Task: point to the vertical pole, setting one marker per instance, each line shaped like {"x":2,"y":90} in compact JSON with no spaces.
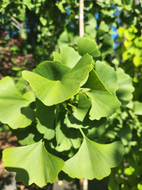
{"x":83,"y":182}
{"x":81,"y":18}
{"x":83,"y":186}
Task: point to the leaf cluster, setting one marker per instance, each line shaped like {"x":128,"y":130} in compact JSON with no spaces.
{"x":58,"y":117}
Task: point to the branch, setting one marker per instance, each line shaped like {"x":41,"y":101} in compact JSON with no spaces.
{"x":18,"y":27}
{"x":14,"y":19}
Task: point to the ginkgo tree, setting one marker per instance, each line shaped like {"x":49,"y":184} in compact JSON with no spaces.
{"x":55,"y":118}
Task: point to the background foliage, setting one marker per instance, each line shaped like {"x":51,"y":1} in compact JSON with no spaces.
{"x":44,"y":26}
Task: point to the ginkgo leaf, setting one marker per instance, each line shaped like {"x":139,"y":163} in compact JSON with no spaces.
{"x":94,"y":82}
{"x":102,"y":95}
{"x":63,"y":142}
{"x":94,"y":160}
{"x":57,"y":56}
{"x":137,"y":108}
{"x":32,"y":164}
{"x":124,"y":92}
{"x":14,"y":108}
{"x":54,"y":82}
{"x":46,"y":118}
{"x":86,"y":45}
{"x":71,"y":122}
{"x":107,"y":45}
{"x":66,"y":138}
{"x":82,"y":108}
{"x":103,"y":104}
{"x":107,"y":75}
{"x":71,"y":58}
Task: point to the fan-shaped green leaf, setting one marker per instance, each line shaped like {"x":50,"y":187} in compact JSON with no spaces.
{"x":107,"y":75}
{"x":124,"y":92}
{"x":38,"y":165}
{"x":138,"y":108}
{"x":63,"y":142}
{"x":55,"y":83}
{"x":57,"y":56}
{"x":94,"y":82}
{"x":71,"y":58}
{"x":94,"y":160}
{"x":14,"y":108}
{"x":63,"y":39}
{"x":103,"y":27}
{"x":107,"y":46}
{"x":137,"y":61}
{"x":89,"y":46}
{"x":46,"y":119}
{"x":103,"y":103}
{"x":82,"y":108}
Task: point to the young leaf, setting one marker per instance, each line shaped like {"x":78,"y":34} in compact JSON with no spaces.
{"x":103,"y":104}
{"x":46,"y":119}
{"x":63,"y":142}
{"x":89,"y":46}
{"x":57,"y":56}
{"x":94,"y":160}
{"x":107,"y":46}
{"x":124,"y":92}
{"x":71,"y":58}
{"x":138,"y":108}
{"x":82,"y":108}
{"x":38,"y":165}
{"x":102,"y":95}
{"x":55,"y":83}
{"x":94,"y":82}
{"x":14,"y":108}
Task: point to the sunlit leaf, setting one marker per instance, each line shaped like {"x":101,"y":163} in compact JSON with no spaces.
{"x":43,"y":21}
{"x":137,"y":61}
{"x":82,"y":108}
{"x":94,"y":160}
{"x":94,"y":82}
{"x":138,"y":108}
{"x":71,"y":58}
{"x":32,"y":164}
{"x":103,"y":27}
{"x":124,"y":92}
{"x":54,"y":82}
{"x":103,"y":102}
{"x":63,"y":39}
{"x":14,"y":108}
{"x":57,"y":56}
{"x":89,"y":46}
